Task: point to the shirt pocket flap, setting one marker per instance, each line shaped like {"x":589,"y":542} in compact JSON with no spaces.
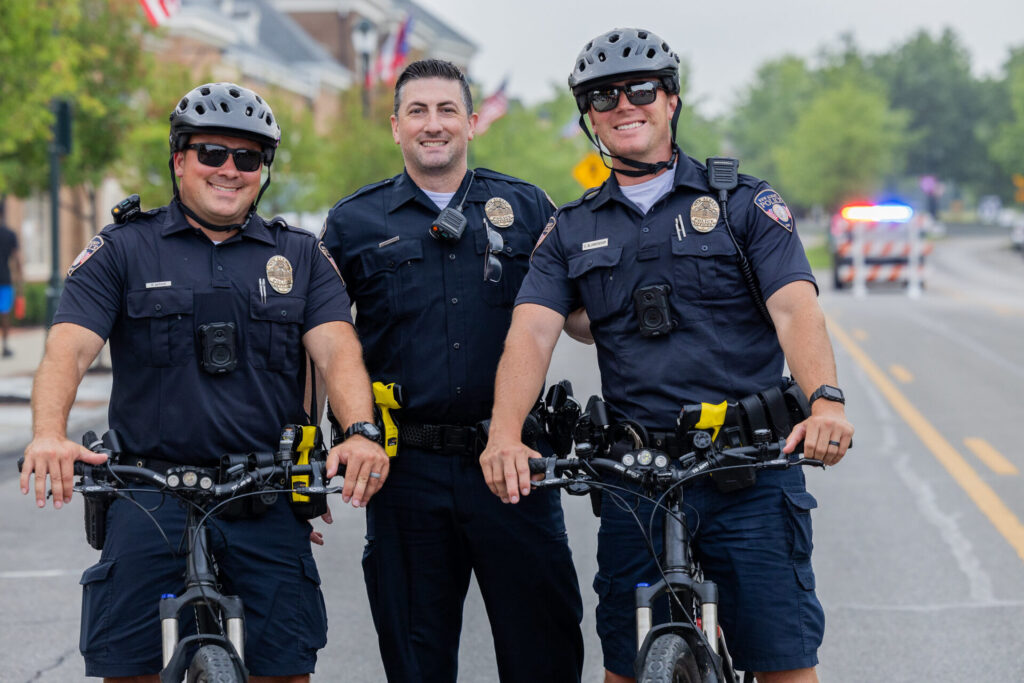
{"x":158,"y":303}
{"x":708,"y":245}
{"x":516,"y":243}
{"x":280,"y":309}
{"x":604,"y":257}
{"x":391,"y":256}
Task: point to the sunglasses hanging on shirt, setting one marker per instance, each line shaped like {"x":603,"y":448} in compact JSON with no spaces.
{"x":450,"y":223}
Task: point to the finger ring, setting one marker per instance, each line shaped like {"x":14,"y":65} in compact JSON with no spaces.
{"x":830,"y":443}
{"x":376,"y":475}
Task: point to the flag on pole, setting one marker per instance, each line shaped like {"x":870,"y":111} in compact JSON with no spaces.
{"x":159,"y":11}
{"x":393,"y":52}
{"x":571,"y":128}
{"x":492,"y":109}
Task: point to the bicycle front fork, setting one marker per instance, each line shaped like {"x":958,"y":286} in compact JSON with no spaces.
{"x":680,"y":585}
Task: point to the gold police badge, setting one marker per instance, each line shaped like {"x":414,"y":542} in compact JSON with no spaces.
{"x":704,"y":214}
{"x":279,"y":274}
{"x":499,"y":212}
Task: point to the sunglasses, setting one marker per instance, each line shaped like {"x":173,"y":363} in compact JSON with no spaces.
{"x":638,"y":94}
{"x":246,"y":160}
{"x":495,"y":245}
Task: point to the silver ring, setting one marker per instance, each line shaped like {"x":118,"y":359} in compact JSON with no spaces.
{"x":376,"y":475}
{"x":830,"y":443}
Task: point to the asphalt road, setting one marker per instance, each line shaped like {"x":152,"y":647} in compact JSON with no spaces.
{"x":919,"y":544}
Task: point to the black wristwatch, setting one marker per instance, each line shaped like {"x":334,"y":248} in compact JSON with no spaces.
{"x":365,"y":429}
{"x":829,"y":393}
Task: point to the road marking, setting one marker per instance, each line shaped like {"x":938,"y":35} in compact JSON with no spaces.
{"x":860,"y":335}
{"x":901,"y":373}
{"x":995,"y":460}
{"x":1001,"y":517}
{"x":40,"y":573}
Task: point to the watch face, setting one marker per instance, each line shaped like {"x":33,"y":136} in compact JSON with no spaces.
{"x":833,"y":394}
{"x":366,"y":429}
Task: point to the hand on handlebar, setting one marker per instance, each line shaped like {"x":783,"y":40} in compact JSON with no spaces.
{"x":826,"y":434}
{"x":506,"y":469}
{"x":363,"y":460}
{"x":54,"y":457}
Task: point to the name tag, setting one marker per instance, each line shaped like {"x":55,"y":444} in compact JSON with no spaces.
{"x":156,"y":285}
{"x":596,"y":244}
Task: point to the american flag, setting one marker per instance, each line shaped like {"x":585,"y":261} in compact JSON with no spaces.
{"x":393,"y":53}
{"x":492,"y":109}
{"x":159,"y":11}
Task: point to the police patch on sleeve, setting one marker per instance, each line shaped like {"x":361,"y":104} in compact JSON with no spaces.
{"x":769,"y":201}
{"x":94,"y":245}
{"x":330,"y":259}
{"x":540,"y":240}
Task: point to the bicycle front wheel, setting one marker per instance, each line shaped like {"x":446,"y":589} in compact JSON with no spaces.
{"x":212,"y":664}
{"x":669,"y":660}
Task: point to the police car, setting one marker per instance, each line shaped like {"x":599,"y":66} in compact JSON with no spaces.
{"x":888,"y":232}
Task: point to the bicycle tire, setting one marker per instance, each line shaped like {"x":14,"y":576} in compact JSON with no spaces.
{"x":212,"y":664}
{"x":670,"y":660}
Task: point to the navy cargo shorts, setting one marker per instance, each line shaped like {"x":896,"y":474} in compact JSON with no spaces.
{"x":755,"y":544}
{"x":266,"y":561}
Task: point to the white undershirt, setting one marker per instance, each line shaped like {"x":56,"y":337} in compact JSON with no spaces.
{"x":645,"y":194}
{"x":440,"y":198}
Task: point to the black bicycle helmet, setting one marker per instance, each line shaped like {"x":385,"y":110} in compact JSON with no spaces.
{"x":619,"y":53}
{"x":225,"y":109}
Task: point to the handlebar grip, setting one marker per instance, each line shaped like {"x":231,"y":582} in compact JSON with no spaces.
{"x":538,"y":465}
{"x":21,"y":462}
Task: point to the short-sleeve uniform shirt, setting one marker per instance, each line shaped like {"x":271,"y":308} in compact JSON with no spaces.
{"x":602,"y":248}
{"x":151,"y":286}
{"x":427,"y":318}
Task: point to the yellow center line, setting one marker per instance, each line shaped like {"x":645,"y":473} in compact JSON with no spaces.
{"x":995,"y":460}
{"x":901,"y":373}
{"x":1005,"y":522}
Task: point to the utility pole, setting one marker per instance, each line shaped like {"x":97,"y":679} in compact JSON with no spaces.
{"x":60,"y":146}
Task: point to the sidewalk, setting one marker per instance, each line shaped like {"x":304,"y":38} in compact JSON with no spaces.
{"x":16,"y":373}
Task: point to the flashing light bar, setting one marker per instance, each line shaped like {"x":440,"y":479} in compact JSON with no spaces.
{"x":878,"y":213}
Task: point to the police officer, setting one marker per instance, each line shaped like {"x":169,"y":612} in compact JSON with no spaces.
{"x":433,"y":258}
{"x":155,"y":287}
{"x":658,"y":228}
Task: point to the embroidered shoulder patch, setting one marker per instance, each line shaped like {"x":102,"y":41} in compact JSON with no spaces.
{"x":540,"y":240}
{"x":769,"y":201}
{"x":94,"y":245}
{"x":330,"y":259}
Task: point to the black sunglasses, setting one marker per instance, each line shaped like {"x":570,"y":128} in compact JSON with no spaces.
{"x":638,"y":94}
{"x":495,"y":245}
{"x":246,"y":160}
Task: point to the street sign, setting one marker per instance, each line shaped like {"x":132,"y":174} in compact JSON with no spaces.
{"x":591,"y":171}
{"x":1018,"y":182}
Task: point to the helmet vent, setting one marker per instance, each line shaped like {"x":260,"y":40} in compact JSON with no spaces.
{"x":224,"y":107}
{"x":248,"y":111}
{"x":270,"y":120}
{"x":642,"y":35}
{"x":614,"y":38}
{"x":200,"y":109}
{"x":625,"y":53}
{"x":204,"y":90}
{"x":589,"y":45}
{"x":234,"y":93}
{"x":664,"y":47}
{"x":601,"y":57}
{"x":651,"y":53}
{"x":583,"y":65}
{"x":258,"y":98}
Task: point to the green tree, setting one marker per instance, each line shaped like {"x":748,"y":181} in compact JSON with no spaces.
{"x":844,"y":144}
{"x":767,"y":112}
{"x":1007,"y":145}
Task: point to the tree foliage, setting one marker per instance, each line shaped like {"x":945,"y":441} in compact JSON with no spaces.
{"x":1007,"y":145}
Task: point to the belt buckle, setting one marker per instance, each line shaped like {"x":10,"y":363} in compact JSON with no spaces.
{"x":453,"y":437}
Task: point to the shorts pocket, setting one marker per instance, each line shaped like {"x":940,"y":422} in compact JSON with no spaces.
{"x":95,"y":581}
{"x":316,"y":610}
{"x":800,"y":503}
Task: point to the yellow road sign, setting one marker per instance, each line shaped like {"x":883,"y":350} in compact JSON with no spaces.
{"x":591,"y":171}
{"x":1018,"y":182}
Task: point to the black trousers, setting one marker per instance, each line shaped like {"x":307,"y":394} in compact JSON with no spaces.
{"x":433,"y":523}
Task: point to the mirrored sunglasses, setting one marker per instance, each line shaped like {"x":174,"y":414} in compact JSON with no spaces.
{"x":638,"y":94}
{"x":246,"y":160}
{"x":495,"y":245}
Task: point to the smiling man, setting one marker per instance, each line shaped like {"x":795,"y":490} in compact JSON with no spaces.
{"x":652,"y":255}
{"x":210,"y":311}
{"x":433,"y":258}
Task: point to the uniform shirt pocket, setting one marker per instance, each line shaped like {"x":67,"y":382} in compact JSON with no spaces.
{"x":598,"y":277}
{"x":515,"y":262}
{"x":275,"y":332}
{"x":394,"y":279}
{"x":160,"y":326}
{"x":705,"y":268}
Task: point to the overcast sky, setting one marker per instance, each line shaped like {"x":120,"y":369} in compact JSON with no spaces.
{"x":534,"y":42}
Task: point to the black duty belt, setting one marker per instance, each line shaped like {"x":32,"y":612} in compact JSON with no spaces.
{"x":154,"y":464}
{"x":445,"y":439}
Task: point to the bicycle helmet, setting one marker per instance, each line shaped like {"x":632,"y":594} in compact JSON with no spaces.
{"x":619,"y":53}
{"x":225,"y":109}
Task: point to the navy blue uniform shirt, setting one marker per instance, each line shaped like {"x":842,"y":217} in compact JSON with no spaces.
{"x":425,"y":315}
{"x":149,"y":285}
{"x":602,"y":248}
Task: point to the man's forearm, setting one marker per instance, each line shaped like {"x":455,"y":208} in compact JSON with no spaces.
{"x":519,"y":381}
{"x":348,"y":384}
{"x":57,"y":378}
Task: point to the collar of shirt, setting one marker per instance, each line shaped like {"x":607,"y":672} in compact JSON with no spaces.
{"x":405,"y":190}
{"x":175,"y":221}
{"x":688,"y":173}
